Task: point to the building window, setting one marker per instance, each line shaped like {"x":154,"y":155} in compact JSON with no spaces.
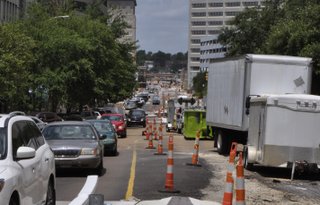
{"x":250,"y":3}
{"x":198,"y":23}
{"x":215,"y":23}
{"x":195,"y":41}
{"x":195,"y":59}
{"x":198,"y":14}
{"x":232,"y":4}
{"x":232,"y":13}
{"x":198,"y":32}
{"x":215,"y":4}
{"x":195,"y":68}
{"x":195,"y":50}
{"x":217,"y":13}
{"x":211,"y":32}
{"x":199,"y":5}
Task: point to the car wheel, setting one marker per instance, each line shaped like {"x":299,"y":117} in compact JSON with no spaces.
{"x":115,"y":150}
{"x":14,"y":200}
{"x":124,"y":135}
{"x":51,"y":194}
{"x":100,"y":167}
{"x":144,"y":125}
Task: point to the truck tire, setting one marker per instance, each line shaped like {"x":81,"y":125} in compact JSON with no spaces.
{"x":222,"y":142}
{"x":247,"y":165}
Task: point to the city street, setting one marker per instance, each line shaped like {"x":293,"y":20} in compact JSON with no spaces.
{"x":263,"y":186}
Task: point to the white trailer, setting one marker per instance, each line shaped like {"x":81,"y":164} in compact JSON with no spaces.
{"x":232,"y":81}
{"x":284,"y":130}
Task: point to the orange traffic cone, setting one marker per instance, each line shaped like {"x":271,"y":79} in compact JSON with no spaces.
{"x":228,"y":192}
{"x":146,"y":130}
{"x":240,"y":189}
{"x":160,"y":147}
{"x":150,"y":143}
{"x":169,"y":187}
{"x":195,"y":156}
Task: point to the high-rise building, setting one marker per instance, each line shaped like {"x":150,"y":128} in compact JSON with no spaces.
{"x":10,"y":10}
{"x":208,"y":17}
{"x":127,"y":8}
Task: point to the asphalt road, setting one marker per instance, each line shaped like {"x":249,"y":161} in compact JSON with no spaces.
{"x":137,"y":172}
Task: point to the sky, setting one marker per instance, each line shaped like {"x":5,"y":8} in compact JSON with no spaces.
{"x":162,"y":25}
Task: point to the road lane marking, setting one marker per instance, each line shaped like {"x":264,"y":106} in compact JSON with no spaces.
{"x":132,"y":175}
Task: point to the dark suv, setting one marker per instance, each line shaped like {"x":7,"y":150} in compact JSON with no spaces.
{"x":136,"y":117}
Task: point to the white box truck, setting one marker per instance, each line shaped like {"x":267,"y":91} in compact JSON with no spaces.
{"x":284,"y":130}
{"x":232,"y":81}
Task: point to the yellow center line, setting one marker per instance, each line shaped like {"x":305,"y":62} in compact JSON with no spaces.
{"x":132,"y":176}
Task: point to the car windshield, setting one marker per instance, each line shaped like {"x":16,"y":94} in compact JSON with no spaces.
{"x":138,"y":113}
{"x":2,"y":143}
{"x":102,"y":127}
{"x":61,"y":132}
{"x":112,"y":117}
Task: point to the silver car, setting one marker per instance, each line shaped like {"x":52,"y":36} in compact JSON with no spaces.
{"x":75,"y":144}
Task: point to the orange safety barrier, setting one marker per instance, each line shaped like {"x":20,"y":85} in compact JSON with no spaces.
{"x":146,"y":130}
{"x":150,"y":142}
{"x":240,"y":189}
{"x":228,"y":192}
{"x":160,"y":147}
{"x":195,"y":155}
{"x":169,"y":187}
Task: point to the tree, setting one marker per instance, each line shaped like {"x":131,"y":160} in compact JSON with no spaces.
{"x":250,"y":29}
{"x":16,"y":59}
{"x":78,"y":60}
{"x":200,"y":84}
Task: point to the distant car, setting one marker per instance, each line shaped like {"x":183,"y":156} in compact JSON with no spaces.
{"x":75,"y":144}
{"x":144,"y":96}
{"x":131,"y":105}
{"x":48,"y":117}
{"x":136,"y":117}
{"x":118,"y":122}
{"x":27,"y":167}
{"x":156,"y":100}
{"x":106,"y":130}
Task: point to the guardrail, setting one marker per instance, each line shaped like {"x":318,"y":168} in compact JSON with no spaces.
{"x":88,"y":188}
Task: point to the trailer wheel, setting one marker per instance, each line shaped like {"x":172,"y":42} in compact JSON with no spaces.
{"x":222,"y":143}
{"x":247,"y":165}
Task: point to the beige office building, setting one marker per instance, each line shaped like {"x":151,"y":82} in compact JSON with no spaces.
{"x":206,"y":18}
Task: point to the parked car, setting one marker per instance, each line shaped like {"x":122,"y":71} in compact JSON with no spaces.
{"x":107,"y":131}
{"x":75,"y":144}
{"x":27,"y":167}
{"x":118,"y":122}
{"x":48,"y":117}
{"x":136,"y":117}
{"x":156,"y":100}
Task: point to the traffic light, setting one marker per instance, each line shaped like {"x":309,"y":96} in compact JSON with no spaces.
{"x":207,"y":76}
{"x":180,"y":100}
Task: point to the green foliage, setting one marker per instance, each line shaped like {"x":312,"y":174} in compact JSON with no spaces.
{"x":68,"y":60}
{"x":15,"y":66}
{"x":163,"y":62}
{"x":200,"y":85}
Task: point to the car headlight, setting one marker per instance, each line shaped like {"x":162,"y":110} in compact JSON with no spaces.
{"x":90,"y":151}
{"x":142,"y":120}
{"x":114,"y":126}
{"x":129,"y":119}
{"x":120,"y":127}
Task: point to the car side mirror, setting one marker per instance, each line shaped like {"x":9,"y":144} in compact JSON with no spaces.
{"x":102,"y":136}
{"x":26,"y":152}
